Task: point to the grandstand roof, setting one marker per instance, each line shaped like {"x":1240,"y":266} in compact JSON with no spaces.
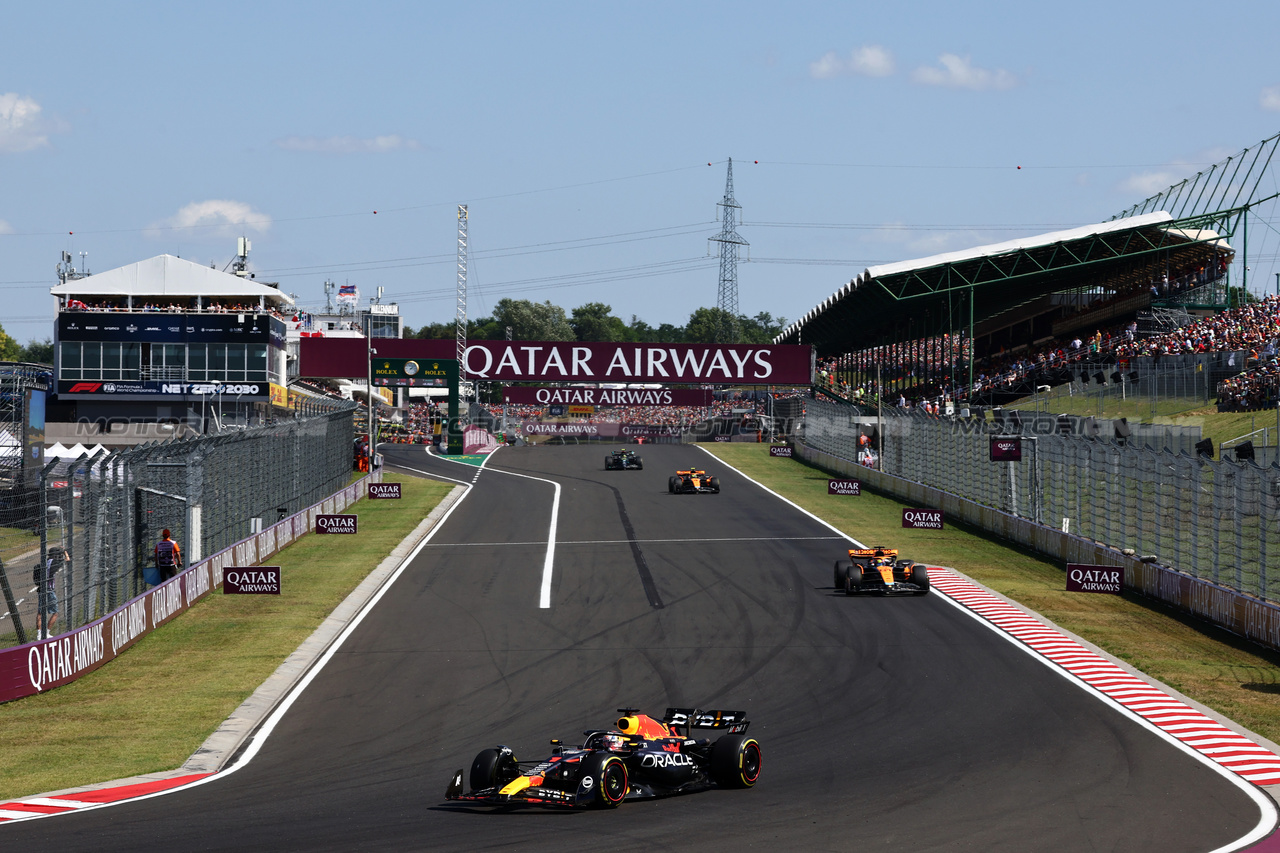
{"x":936,"y":294}
{"x":169,"y":276}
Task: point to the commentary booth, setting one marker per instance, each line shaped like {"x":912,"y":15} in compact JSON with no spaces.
{"x":538,"y":375}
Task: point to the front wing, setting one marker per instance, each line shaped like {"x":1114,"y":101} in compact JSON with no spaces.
{"x":532,"y":796}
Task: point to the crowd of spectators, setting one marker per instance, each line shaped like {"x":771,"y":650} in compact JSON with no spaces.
{"x":72,"y":304}
{"x":1251,"y":329}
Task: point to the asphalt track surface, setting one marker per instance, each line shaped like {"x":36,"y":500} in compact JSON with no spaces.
{"x":887,"y":724}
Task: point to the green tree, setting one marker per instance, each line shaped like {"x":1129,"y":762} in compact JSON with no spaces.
{"x":595,"y":322}
{"x":10,"y":350}
{"x":38,"y":352}
{"x":704,"y":326}
{"x":760,"y":329}
{"x":532,"y":321}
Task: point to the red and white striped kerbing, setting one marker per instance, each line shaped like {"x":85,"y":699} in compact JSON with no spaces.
{"x":1208,"y":737}
{"x":38,"y":806}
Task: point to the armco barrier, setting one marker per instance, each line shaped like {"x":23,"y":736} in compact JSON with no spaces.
{"x":1241,"y":614}
{"x":44,"y":665}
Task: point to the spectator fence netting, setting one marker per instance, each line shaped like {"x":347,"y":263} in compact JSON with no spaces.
{"x":108,"y":511}
{"x":1212,"y":519}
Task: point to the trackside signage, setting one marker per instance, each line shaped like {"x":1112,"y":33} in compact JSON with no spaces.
{"x":336,"y":524}
{"x":257,"y":580}
{"x":1005,"y":449}
{"x":556,"y":361}
{"x":844,"y":487}
{"x":1085,"y":578}
{"x":524,"y":395}
{"x":922,"y":519}
{"x":384,"y":491}
{"x":780,"y":450}
{"x":45,"y":664}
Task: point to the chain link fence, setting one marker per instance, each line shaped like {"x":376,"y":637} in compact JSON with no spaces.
{"x":108,"y":511}
{"x":1214,"y":520}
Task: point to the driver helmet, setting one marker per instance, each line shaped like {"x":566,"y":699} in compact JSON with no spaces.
{"x":613,"y":740}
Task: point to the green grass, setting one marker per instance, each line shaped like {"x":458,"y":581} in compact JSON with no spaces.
{"x":1237,"y":678}
{"x":152,"y":707}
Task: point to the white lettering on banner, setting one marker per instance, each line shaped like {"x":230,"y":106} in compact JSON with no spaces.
{"x":689,"y":365}
{"x":549,"y":361}
{"x":65,"y":656}
{"x":656,"y":359}
{"x":165,"y":601}
{"x":765,"y":366}
{"x":128,"y":625}
{"x":470,"y":368}
{"x":554,"y":358}
{"x":619,"y":362}
{"x":197,"y":582}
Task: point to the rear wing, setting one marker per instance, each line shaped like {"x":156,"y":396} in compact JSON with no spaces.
{"x":873,"y":552}
{"x":686,"y":719}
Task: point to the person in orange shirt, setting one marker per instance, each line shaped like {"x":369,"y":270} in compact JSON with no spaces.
{"x":168,"y":556}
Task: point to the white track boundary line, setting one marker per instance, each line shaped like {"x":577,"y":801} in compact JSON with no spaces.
{"x":255,"y":741}
{"x":1266,"y":806}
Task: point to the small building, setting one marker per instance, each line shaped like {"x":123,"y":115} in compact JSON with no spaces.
{"x":171,"y":342}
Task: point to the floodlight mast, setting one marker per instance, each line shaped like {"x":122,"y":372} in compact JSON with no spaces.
{"x":462,"y":291}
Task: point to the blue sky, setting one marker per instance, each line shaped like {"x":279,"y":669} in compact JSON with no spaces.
{"x":579,"y":136}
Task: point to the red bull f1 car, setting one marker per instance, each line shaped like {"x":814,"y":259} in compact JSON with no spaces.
{"x":693,"y":482}
{"x":623,"y":460}
{"x":640,"y":758}
{"x":880,"y":570}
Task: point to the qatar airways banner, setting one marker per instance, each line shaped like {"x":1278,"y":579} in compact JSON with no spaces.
{"x":559,"y":361}
{"x":528,"y":396}
{"x":513,"y":361}
{"x":583,"y":430}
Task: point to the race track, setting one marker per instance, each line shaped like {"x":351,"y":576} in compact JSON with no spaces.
{"x":895,"y":724}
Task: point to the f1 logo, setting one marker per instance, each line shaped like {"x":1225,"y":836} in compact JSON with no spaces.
{"x":84,"y":388}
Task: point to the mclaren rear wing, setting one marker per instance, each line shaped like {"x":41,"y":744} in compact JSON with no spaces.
{"x":687,"y":719}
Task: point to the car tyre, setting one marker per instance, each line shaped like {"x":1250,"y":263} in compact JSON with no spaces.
{"x":735,"y":761}
{"x":672,"y":483}
{"x":493,"y":768}
{"x":841,"y":572}
{"x":609,"y":779}
{"x":853,"y":579}
{"x":920,"y":577}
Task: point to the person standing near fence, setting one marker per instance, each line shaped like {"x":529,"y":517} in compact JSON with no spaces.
{"x":168,"y":556}
{"x":46,"y":596}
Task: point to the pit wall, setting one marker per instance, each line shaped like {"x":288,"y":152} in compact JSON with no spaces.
{"x":43,"y":665}
{"x":1238,"y":613}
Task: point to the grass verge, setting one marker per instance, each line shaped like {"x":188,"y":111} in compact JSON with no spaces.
{"x":150,"y":709}
{"x":1235,"y":677}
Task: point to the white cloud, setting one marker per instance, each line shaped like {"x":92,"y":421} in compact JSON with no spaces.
{"x":5,"y":227}
{"x":21,"y":127}
{"x":957,"y":72}
{"x":870,"y":60}
{"x":348,"y":144}
{"x":1150,"y":183}
{"x":1270,"y":99}
{"x":218,"y":217}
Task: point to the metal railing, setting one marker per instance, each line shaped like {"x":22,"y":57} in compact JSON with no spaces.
{"x":108,"y":511}
{"x":1214,"y":520}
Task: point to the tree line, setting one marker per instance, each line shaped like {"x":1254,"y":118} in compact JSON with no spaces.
{"x":35,"y":352}
{"x":522,"y":320}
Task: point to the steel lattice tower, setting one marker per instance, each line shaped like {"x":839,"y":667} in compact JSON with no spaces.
{"x":462,"y":289}
{"x":727,"y":298}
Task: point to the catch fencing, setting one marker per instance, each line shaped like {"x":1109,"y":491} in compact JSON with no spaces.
{"x":108,"y":511}
{"x":1213,"y":520}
